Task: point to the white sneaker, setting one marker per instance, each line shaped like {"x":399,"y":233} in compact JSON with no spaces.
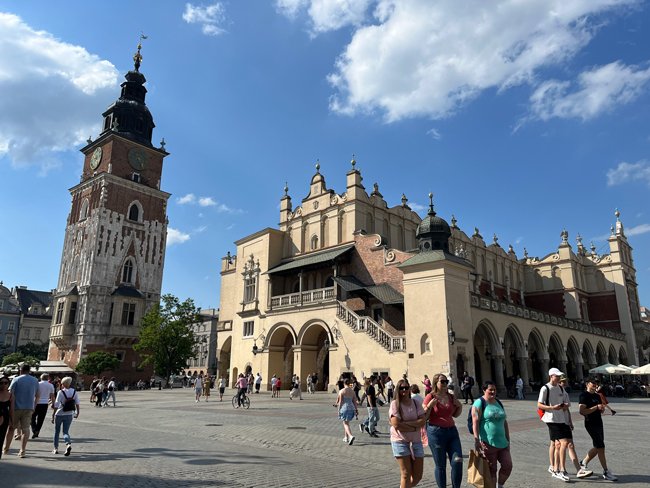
{"x":584,"y":473}
{"x":345,"y":439}
{"x":550,"y":469}
{"x":351,"y":441}
{"x":561,"y":476}
{"x":609,"y":476}
{"x":55,"y":451}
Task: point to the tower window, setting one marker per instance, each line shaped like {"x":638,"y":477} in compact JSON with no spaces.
{"x":83,"y":213}
{"x":59,"y":312}
{"x":72,"y":315}
{"x":127,"y":272}
{"x":128,"y":314}
{"x":249,"y":328}
{"x":134,"y":212}
{"x":249,"y":288}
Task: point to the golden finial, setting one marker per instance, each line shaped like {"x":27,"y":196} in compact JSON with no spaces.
{"x":137,"y":57}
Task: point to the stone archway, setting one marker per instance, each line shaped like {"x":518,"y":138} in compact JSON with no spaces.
{"x":588,"y":356}
{"x":622,"y":356}
{"x":488,"y":359}
{"x":538,"y":358}
{"x":556,"y":356}
{"x":313,"y":355}
{"x":574,"y":361}
{"x":612,"y":356}
{"x":514,"y":357}
{"x":601,"y":355}
{"x":280,"y":343}
{"x":224,"y":359}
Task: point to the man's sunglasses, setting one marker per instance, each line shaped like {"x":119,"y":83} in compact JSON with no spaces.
{"x":404,"y":388}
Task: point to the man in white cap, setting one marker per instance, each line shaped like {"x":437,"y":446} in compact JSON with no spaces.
{"x":551,"y":402}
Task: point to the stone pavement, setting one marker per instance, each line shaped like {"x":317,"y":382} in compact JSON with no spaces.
{"x":163,"y":439}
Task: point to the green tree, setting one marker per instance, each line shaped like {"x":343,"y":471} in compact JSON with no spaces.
{"x":18,"y":357}
{"x":36,"y":350}
{"x":167,"y":340}
{"x":97,"y":362}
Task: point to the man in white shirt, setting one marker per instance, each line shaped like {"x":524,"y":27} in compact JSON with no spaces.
{"x":551,"y":402}
{"x":45,"y":398}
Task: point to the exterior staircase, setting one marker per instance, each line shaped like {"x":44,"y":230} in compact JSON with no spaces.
{"x":392,"y":341}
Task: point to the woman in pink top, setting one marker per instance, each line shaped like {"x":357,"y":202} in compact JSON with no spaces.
{"x":442,"y":432}
{"x":406,"y":420}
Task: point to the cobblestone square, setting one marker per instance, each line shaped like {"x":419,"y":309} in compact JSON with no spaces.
{"x":164,"y":439}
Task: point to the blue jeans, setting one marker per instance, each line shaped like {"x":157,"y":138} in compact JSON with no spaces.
{"x":66,"y":421}
{"x":372,"y":420}
{"x":445,"y":443}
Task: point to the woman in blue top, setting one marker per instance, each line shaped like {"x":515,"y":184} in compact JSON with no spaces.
{"x":491,"y":434}
{"x":348,"y":409}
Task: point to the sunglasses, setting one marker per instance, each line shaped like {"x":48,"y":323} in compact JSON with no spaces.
{"x":443,"y":382}
{"x":404,"y":388}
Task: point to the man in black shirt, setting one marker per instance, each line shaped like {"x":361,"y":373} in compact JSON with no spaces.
{"x":592,"y":407}
{"x":373,"y":412}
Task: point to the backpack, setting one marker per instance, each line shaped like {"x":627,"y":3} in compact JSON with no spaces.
{"x":470,"y":422}
{"x":69,"y":404}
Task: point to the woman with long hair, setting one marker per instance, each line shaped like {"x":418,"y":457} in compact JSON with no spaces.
{"x":491,"y":434}
{"x":406,"y":420}
{"x":442,"y":433}
{"x":66,"y":408}
{"x":6,"y":408}
{"x":347,"y":408}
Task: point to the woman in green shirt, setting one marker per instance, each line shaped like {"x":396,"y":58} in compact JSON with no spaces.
{"x":491,"y":434}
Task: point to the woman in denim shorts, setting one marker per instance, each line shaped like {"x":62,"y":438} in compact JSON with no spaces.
{"x":406,"y":421}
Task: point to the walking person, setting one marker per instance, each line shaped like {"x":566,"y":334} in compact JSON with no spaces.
{"x":348,"y":409}
{"x":93,"y":390}
{"x":491,"y":433}
{"x":222,"y":387}
{"x":6,"y":408}
{"x":258,"y":383}
{"x":442,"y":433}
{"x":407,"y":416}
{"x":592,"y":408}
{"x":99,"y":393}
{"x":67,"y":408}
{"x":207,"y":383}
{"x":24,"y":389}
{"x":278,"y":387}
{"x":370,"y":424}
{"x":110,"y":392}
{"x":519,"y":386}
{"x":309,"y":384}
{"x":427,"y":385}
{"x":551,"y":402}
{"x":242,"y":388}
{"x":390,"y":389}
{"x":45,"y":399}
{"x":274,"y":383}
{"x":198,"y":388}
{"x":467,"y":383}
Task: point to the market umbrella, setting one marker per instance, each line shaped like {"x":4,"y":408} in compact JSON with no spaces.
{"x":628,"y":369}
{"x":642,"y":370}
{"x":608,"y":369}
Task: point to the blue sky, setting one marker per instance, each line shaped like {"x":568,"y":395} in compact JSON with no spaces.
{"x":523,"y":118}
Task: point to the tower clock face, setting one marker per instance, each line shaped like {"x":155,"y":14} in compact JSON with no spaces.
{"x":137,"y":158}
{"x":96,"y":158}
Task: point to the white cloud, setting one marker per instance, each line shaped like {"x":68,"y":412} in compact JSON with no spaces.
{"x":638,"y":230}
{"x":626,"y":172}
{"x":175,"y":236}
{"x":410,"y":58}
{"x":210,"y":17}
{"x":189,"y":198}
{"x":416,"y":207}
{"x":435,"y":134}
{"x":327,"y":15}
{"x":57,"y":94}
{"x":207,"y":202}
{"x":598,"y":91}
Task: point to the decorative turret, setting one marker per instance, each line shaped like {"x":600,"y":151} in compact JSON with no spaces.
{"x":129,"y":115}
{"x":433,"y":232}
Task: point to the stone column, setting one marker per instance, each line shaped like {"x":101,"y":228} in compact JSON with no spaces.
{"x":562,"y":365}
{"x":544,"y":366}
{"x":300,"y":286}
{"x":579,"y":375}
{"x":523,"y":371}
{"x":269,"y":299}
{"x":498,"y":371}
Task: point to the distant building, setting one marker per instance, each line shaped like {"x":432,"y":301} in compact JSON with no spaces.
{"x":115,"y":237}
{"x":206,"y":348}
{"x":350,"y":285}
{"x":35,"y":315}
{"x":9,"y":321}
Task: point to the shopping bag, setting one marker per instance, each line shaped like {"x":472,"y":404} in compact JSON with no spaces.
{"x":478,"y":471}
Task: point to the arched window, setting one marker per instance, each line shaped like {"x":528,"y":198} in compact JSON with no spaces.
{"x":127,"y":271}
{"x":83,"y":212}
{"x":135,"y":212}
{"x":314,"y":242}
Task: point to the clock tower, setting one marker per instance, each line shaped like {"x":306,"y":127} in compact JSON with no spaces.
{"x":114,"y":249}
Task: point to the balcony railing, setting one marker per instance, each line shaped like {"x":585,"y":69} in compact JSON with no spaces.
{"x":310,"y":297}
{"x":362,"y":323}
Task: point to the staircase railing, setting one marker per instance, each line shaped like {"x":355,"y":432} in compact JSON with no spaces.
{"x":362,"y":323}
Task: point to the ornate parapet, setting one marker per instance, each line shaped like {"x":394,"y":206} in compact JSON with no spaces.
{"x":485,"y":303}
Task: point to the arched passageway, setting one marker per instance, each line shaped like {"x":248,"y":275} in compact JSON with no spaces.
{"x":314,"y":342}
{"x":537,"y":355}
{"x":601,"y":355}
{"x":488,"y":362}
{"x":223,"y":355}
{"x":280,"y":344}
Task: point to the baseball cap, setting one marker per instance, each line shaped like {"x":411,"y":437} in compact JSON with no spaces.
{"x":563,"y":377}
{"x":555,"y":372}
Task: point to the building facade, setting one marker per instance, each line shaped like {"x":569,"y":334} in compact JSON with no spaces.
{"x":35,"y":315}
{"x":205,"y":333}
{"x":9,"y":321}
{"x":114,"y":249}
{"x":348,"y":285}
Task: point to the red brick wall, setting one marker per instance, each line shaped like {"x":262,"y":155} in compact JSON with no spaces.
{"x":552,"y":302}
{"x":603,"y":311}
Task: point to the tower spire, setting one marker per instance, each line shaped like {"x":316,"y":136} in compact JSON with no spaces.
{"x":137,"y":57}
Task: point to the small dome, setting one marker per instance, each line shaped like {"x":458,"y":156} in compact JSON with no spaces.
{"x":433,"y":232}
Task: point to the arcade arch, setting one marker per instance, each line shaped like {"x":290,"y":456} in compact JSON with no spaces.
{"x":601,"y":355}
{"x":279,"y":344}
{"x":538,"y":356}
{"x":612,"y":356}
{"x":486,"y":353}
{"x":314,"y":340}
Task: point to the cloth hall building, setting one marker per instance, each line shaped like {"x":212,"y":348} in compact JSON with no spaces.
{"x":349,"y":285}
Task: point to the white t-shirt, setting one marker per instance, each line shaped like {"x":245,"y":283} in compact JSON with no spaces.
{"x":45,"y":389}
{"x":274,"y":380}
{"x":554,"y":395}
{"x":258,"y":380}
{"x":61,"y":399}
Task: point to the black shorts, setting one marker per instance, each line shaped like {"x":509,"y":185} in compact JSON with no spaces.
{"x":221,"y":390}
{"x":559,"y":431}
{"x":597,"y":435}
